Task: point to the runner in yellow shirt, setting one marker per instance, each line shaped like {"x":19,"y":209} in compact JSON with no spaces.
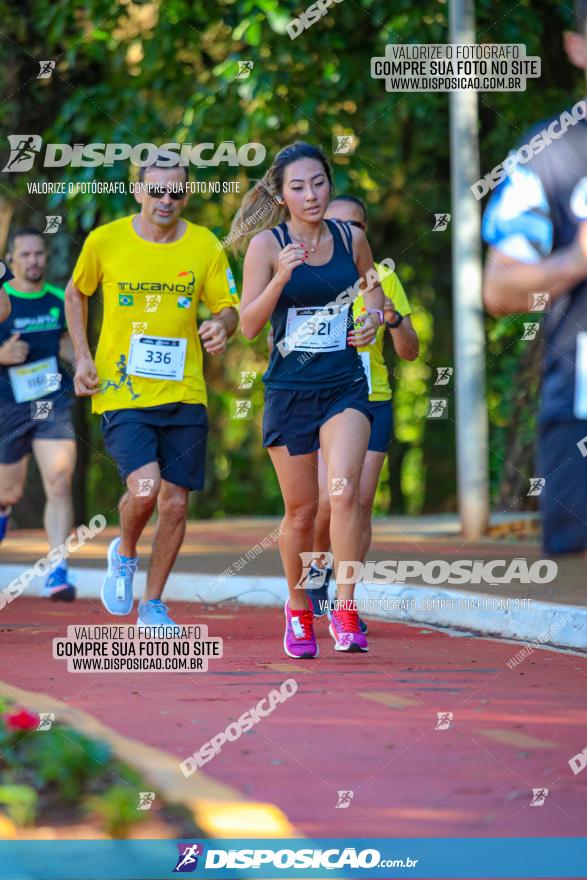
{"x":147,"y":381}
{"x":405,"y":342}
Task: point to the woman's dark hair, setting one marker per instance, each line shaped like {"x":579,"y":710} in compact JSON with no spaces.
{"x":260,"y":208}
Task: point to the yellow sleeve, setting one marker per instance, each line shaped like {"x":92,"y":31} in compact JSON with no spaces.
{"x":219,"y":289}
{"x":393,"y":290}
{"x":87,"y":273}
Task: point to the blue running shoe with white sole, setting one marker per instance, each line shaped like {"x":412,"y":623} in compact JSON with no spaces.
{"x":58,"y":586}
{"x":116,"y":592}
{"x":4,"y":517}
{"x":153,"y":612}
{"x":317,"y":581}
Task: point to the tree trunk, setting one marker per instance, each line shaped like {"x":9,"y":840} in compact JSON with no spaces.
{"x":518,"y":465}
{"x":6,"y":212}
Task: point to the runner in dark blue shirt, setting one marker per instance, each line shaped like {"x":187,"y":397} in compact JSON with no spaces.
{"x":303,"y":274}
{"x":536,"y":225}
{"x":36,"y":398}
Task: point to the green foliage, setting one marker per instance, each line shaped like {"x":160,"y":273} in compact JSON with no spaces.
{"x":20,"y":802}
{"x":61,"y":769}
{"x":66,"y":761}
{"x":164,"y":72}
{"x":117,"y":808}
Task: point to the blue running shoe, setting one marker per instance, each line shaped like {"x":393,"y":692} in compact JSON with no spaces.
{"x":153,"y":612}
{"x":57,"y":587}
{"x":4,"y":517}
{"x":117,"y":586}
{"x":317,"y":582}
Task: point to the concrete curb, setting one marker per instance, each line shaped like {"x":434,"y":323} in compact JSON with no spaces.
{"x":542,"y":623}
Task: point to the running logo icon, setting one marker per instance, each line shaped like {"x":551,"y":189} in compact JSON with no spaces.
{"x":23,"y":149}
{"x":146,"y":799}
{"x":187,"y":861}
{"x":343,"y":144}
{"x":441,"y":222}
{"x":344,"y":800}
{"x":144,"y":487}
{"x":53,"y":382}
{"x":244,"y":69}
{"x":539,"y":795}
{"x":247,"y":379}
{"x":443,"y":375}
{"x":125,"y":380}
{"x":46,"y":719}
{"x":337,"y":485}
{"x":152,"y":302}
{"x":46,"y":68}
{"x":536,"y":485}
{"x":242,"y":409}
{"x":307,"y":580}
{"x":443,"y":720}
{"x":42,"y":410}
{"x":539,"y":302}
{"x":438,"y":408}
{"x":530,"y":331}
{"x":52,"y":223}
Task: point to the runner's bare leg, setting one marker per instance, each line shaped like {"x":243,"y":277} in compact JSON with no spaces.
{"x":135,"y":510}
{"x":56,"y":461}
{"x":172,"y":505}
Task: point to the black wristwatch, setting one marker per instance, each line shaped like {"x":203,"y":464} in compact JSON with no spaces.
{"x":396,"y":323}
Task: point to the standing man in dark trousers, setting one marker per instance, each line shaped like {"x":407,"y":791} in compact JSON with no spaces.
{"x":536,"y":226}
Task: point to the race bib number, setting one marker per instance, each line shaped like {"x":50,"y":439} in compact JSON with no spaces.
{"x":157,"y":357}
{"x":29,"y":381}
{"x":316,"y":328}
{"x":366,"y":361}
{"x":581,"y":377}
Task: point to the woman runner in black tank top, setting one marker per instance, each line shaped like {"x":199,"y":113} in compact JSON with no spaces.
{"x":303,"y":275}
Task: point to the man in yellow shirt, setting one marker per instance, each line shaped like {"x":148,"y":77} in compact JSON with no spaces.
{"x":399,"y":327}
{"x":147,"y":380}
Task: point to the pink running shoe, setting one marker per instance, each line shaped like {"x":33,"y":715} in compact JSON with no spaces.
{"x":299,"y":640}
{"x":345,"y":629}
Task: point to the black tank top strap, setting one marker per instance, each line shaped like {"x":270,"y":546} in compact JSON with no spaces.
{"x":280,"y":233}
{"x":345,"y":234}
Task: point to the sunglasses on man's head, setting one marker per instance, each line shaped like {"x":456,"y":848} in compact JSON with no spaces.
{"x":356,"y":223}
{"x":157,"y":191}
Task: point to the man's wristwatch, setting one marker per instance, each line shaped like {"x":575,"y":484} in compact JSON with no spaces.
{"x":396,"y":323}
{"x":377,"y":312}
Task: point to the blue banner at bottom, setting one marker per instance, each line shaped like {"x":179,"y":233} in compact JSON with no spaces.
{"x":529,"y":857}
